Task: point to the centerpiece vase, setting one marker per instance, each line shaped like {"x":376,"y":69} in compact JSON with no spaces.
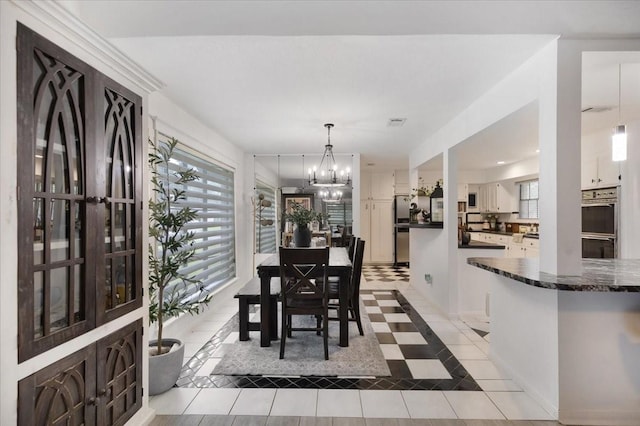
{"x":302,"y":236}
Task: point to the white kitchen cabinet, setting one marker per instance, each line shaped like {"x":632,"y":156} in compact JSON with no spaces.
{"x":531,"y":247}
{"x":401,"y":182}
{"x":463,"y":192}
{"x":495,"y":198}
{"x":376,"y":228}
{"x":377,"y":185}
{"x":597,"y":169}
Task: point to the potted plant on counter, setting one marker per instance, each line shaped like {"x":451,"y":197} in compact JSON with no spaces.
{"x":170,"y":251}
{"x":302,"y":217}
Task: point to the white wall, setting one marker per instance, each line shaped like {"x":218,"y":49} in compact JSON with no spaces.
{"x":629,"y":235}
{"x":428,"y":257}
{"x":56,"y":24}
{"x":473,"y":287}
{"x":524,"y":336}
{"x":599,"y":365}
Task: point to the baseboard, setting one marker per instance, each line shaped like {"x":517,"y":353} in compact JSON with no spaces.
{"x":144,"y":416}
{"x":547,"y":405}
{"x":600,"y":417}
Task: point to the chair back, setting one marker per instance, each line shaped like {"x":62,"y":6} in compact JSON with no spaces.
{"x":352,"y":247}
{"x":356,"y":271}
{"x":299,"y":268}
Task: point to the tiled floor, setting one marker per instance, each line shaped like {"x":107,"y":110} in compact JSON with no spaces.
{"x":440,"y":370}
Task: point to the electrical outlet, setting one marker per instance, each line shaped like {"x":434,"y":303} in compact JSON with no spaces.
{"x":428,"y":278}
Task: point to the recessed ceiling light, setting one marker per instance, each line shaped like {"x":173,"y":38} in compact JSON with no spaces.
{"x":396,"y":122}
{"x":500,"y":162}
{"x":537,"y":151}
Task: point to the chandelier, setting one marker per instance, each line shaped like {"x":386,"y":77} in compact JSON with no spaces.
{"x":330,"y":196}
{"x":327,"y":174}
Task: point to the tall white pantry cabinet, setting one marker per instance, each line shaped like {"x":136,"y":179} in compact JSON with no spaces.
{"x":376,"y":215}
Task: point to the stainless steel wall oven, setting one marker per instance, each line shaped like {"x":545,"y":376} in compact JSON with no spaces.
{"x":600,"y":223}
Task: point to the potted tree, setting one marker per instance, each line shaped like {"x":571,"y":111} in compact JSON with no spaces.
{"x":302,"y":217}
{"x":169,"y":251}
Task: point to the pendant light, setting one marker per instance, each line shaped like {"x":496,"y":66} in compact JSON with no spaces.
{"x":619,"y":138}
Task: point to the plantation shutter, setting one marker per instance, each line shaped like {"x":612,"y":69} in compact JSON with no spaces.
{"x":339,"y":213}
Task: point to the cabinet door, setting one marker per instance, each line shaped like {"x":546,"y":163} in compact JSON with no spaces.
{"x":56,"y":294}
{"x":401,"y":186}
{"x":119,"y":375}
{"x":381,"y":231}
{"x":365,"y":185}
{"x":365,"y":228}
{"x":608,"y":171}
{"x":118,"y":267}
{"x":483,"y":199}
{"x":463,"y":192}
{"x":504,"y":202}
{"x":61,"y":394}
{"x":79,"y":197}
{"x":382,"y":185}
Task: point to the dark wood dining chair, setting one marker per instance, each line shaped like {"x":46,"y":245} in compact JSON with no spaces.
{"x":354,"y":288}
{"x":352,"y":247}
{"x":301,"y":294}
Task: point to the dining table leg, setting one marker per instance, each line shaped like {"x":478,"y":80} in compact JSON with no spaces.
{"x":343,"y":309}
{"x":265,"y":308}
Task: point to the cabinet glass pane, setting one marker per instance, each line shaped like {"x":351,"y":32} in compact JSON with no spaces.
{"x":38,"y":305}
{"x":78,"y":293}
{"x":107,"y":228}
{"x":38,"y":231}
{"x":120,"y":266}
{"x":60,"y":228}
{"x":130,"y":229}
{"x":59,"y":298}
{"x":120,"y":223}
{"x":79,"y":219}
{"x":108,"y":302}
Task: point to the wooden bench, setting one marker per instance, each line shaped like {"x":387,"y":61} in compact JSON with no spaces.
{"x":250,"y":295}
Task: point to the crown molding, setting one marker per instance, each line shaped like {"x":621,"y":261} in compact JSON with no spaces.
{"x":70,"y":26}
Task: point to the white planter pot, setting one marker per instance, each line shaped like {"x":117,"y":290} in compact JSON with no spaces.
{"x":164,"y":369}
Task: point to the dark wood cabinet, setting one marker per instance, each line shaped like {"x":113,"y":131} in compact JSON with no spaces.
{"x":79,"y":196}
{"x":98,"y":385}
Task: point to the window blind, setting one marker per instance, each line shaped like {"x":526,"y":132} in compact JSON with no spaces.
{"x":529,"y":200}
{"x":339,"y":213}
{"x":265,"y":233}
{"x":212,"y":196}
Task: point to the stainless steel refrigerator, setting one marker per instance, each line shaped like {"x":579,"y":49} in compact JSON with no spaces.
{"x":401,"y":229}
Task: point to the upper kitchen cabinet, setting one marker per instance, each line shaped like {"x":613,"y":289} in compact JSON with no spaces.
{"x":597,"y":168}
{"x":377,"y":185}
{"x":463,"y":192}
{"x":495,"y":198}
{"x":401,"y":178}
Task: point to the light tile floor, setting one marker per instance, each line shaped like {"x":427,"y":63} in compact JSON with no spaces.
{"x":500,"y":402}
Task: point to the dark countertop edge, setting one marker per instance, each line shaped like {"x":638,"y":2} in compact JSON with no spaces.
{"x":427,"y":225}
{"x":481,"y":245}
{"x":552,"y":284}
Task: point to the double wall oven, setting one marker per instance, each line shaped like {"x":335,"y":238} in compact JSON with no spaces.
{"x":600,"y":223}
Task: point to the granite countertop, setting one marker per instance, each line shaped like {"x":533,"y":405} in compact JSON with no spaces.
{"x":481,"y":245}
{"x":598,"y":275}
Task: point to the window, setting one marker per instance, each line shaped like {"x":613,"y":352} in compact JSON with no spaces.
{"x":339,"y":213}
{"x":529,"y":199}
{"x":265,"y":220}
{"x":212,"y":195}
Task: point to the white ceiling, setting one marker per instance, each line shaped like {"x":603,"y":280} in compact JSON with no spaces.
{"x":268,"y":75}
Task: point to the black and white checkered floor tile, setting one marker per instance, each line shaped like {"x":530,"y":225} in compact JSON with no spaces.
{"x":385,"y":273}
{"x":417,"y":358}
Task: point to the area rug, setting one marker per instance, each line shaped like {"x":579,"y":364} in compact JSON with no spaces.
{"x":304,"y":354}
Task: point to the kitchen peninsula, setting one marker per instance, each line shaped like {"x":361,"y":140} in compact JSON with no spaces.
{"x":572,"y":342}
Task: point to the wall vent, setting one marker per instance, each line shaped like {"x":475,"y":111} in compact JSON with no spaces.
{"x":598,"y":109}
{"x":396,"y":122}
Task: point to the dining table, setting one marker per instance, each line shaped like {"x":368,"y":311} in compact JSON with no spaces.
{"x":339,"y":266}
